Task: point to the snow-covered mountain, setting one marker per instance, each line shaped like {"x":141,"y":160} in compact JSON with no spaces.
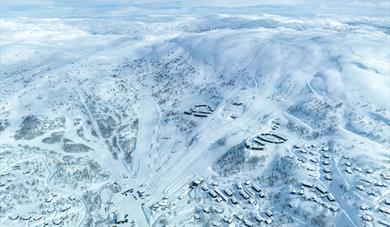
{"x":195,"y":116}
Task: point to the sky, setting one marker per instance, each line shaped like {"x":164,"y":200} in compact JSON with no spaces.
{"x":84,"y":7}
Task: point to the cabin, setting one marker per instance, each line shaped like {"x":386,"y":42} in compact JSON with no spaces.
{"x":234,"y":200}
{"x":163,"y":202}
{"x":37,"y":218}
{"x":384,"y":210}
{"x":206,"y":210}
{"x":326,"y":170}
{"x":50,"y":210}
{"x":214,"y":223}
{"x":247,"y":144}
{"x":13,"y":217}
{"x":385,"y":223}
{"x":385,"y":176}
{"x":328,"y":177}
{"x":218,"y":210}
{"x":228,"y":192}
{"x":360,"y":187}
{"x":262,"y":194}
{"x":25,"y":218}
{"x":244,"y":194}
{"x":325,"y":155}
{"x":348,"y":170}
{"x":197,"y":182}
{"x":228,"y":220}
{"x":222,"y":195}
{"x":369,"y":171}
{"x":380,"y":184}
{"x":256,"y":188}
{"x":200,"y":115}
{"x":65,"y":209}
{"x":239,"y":217}
{"x":258,"y":218}
{"x":330,"y":197}
{"x":120,"y":217}
{"x":257,"y":148}
{"x":321,"y":189}
{"x":247,"y":223}
{"x":257,"y":141}
{"x":204,"y":188}
{"x":306,"y":184}
{"x":269,"y":213}
{"x":213,"y":194}
{"x":367,"y":217}
{"x":57,"y":221}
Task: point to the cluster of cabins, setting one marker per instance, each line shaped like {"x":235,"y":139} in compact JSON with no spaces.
{"x":163,"y":204}
{"x":315,"y":192}
{"x":318,"y":192}
{"x":275,"y":125}
{"x":258,"y":142}
{"x":119,"y":217}
{"x":309,"y":156}
{"x":349,"y":168}
{"x":28,"y":218}
{"x":139,"y":194}
{"x":384,"y":210}
{"x":272,"y":138}
{"x":247,"y":192}
{"x":367,"y":180}
{"x":201,"y":110}
{"x":57,"y":221}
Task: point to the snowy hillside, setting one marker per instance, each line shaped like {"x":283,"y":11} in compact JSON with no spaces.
{"x":195,"y":116}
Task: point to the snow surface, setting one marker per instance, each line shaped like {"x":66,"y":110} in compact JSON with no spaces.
{"x":148,"y":113}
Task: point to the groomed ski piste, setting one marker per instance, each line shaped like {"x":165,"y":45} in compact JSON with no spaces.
{"x":178,"y":114}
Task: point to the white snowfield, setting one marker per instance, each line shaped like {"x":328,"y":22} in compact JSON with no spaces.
{"x":242,"y":116}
